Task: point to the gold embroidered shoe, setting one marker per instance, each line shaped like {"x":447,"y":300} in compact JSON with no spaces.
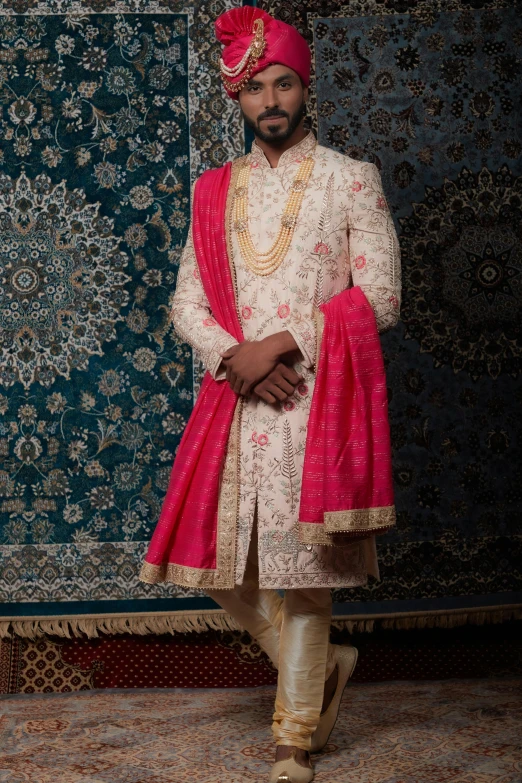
{"x":289,"y":771}
{"x":346,"y":660}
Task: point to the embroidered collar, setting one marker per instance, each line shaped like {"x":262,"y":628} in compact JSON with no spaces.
{"x":295,"y":153}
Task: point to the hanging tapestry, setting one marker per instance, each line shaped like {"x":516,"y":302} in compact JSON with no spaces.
{"x":111,"y":109}
{"x":430,"y":92}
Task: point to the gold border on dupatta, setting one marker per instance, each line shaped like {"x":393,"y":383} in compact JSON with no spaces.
{"x":223,"y":576}
{"x":343,"y":524}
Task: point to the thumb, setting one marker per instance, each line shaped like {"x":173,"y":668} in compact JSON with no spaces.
{"x":230,"y":351}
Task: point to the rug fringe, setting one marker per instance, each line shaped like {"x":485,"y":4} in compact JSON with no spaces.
{"x":440,"y":618}
{"x":93,"y":626}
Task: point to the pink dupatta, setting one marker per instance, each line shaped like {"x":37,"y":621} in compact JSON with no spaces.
{"x":187,"y":526}
{"x":347,"y":460}
{"x":347,"y":478}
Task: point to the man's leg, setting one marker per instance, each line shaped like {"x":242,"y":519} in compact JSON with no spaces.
{"x":303,"y":656}
{"x":258,"y":611}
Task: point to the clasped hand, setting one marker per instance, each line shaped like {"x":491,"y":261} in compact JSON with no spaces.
{"x":252,"y":367}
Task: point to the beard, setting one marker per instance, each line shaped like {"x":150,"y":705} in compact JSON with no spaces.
{"x":275,"y":134}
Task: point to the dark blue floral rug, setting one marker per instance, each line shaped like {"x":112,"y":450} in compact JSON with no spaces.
{"x":430,"y":92}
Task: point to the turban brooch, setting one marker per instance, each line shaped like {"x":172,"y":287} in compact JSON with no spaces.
{"x":253,"y":40}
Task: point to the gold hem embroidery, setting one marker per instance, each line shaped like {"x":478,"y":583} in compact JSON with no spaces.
{"x":223,"y":576}
{"x":373,"y":521}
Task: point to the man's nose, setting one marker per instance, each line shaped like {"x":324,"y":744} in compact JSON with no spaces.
{"x":271,"y":99}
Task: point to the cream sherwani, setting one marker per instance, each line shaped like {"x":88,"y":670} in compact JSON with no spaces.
{"x":344,"y":236}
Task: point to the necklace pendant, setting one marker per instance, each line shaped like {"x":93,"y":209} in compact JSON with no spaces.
{"x":289,"y":221}
{"x":299,"y":186}
{"x":240,"y":225}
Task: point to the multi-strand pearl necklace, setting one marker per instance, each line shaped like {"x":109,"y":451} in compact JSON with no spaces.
{"x":266,"y":263}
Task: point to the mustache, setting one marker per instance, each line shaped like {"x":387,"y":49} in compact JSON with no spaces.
{"x":273,"y":113}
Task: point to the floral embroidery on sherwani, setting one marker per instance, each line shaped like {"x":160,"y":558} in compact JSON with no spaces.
{"x":344,"y":236}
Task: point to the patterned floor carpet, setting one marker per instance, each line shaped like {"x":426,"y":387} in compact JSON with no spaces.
{"x":450,"y":731}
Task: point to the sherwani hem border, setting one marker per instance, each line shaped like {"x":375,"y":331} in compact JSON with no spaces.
{"x":223,"y":576}
{"x":372,"y":521}
{"x":319,"y":329}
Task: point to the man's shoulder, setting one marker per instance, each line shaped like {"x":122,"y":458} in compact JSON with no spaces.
{"x":216,"y":171}
{"x":342,"y":160}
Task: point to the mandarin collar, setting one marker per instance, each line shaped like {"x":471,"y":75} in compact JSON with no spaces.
{"x":302,"y":148}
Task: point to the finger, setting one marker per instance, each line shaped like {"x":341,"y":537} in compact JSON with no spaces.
{"x":277,"y":392}
{"x":237,"y":385}
{"x":284,"y":385}
{"x":245,"y":389}
{"x":265,"y":395}
{"x":291,"y":375}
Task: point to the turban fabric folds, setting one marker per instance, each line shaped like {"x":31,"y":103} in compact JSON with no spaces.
{"x":253,"y":40}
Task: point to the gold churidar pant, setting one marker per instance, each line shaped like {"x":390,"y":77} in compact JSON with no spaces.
{"x":294,"y":631}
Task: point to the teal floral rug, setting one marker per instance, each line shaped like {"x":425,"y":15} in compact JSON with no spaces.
{"x":110,"y":112}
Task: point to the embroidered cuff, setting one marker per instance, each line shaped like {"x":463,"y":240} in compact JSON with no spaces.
{"x":214,"y":357}
{"x":303,"y":332}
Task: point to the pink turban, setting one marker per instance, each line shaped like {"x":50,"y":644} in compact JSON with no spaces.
{"x":254,"y":40}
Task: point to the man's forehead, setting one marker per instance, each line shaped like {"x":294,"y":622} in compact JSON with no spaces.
{"x":274,"y":73}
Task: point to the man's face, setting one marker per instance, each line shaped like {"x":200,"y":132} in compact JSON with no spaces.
{"x":273,"y":103}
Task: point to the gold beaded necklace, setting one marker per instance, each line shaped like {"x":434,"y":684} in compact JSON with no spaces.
{"x":266,"y":263}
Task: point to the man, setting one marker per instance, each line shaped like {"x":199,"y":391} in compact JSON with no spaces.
{"x":278,"y":240}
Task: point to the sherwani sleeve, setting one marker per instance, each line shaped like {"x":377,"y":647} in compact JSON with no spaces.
{"x":374,"y":258}
{"x":303,"y":331}
{"x":192,"y":318}
{"x":374,"y":248}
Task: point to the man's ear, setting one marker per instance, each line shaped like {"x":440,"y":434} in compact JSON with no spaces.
{"x":306,"y":94}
